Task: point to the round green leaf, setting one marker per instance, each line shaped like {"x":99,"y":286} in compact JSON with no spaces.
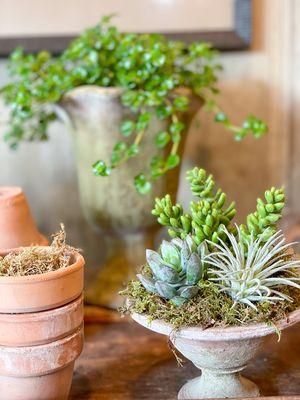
{"x":162,"y":139}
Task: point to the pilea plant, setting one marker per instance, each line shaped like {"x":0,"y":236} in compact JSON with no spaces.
{"x":148,"y":67}
{"x":208,"y":256}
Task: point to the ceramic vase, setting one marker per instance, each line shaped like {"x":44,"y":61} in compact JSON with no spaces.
{"x":17,"y":227}
{"x":41,"y":332}
{"x":111,"y":204}
{"x":220,"y":353}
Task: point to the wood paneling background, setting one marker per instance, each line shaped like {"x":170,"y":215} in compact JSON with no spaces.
{"x":254,"y":81}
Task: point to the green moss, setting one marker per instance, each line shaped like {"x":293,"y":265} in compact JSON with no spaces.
{"x":209,"y":308}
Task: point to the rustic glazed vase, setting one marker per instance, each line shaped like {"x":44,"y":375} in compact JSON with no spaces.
{"x":220,"y":353}
{"x":111,"y":204}
{"x":17,"y":227}
{"x":23,"y":294}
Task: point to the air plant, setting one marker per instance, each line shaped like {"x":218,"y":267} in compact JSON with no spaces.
{"x":176,"y":271}
{"x":251,"y":270}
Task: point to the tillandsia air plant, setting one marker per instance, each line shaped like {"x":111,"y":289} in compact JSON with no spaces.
{"x":250,"y":270}
{"x":214,"y":271}
{"x":148,"y":67}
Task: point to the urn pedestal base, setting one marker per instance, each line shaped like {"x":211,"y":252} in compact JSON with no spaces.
{"x":221,"y":354}
{"x":212,"y":384}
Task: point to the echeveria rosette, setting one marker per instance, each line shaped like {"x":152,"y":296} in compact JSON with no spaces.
{"x":148,"y":67}
{"x":176,"y":270}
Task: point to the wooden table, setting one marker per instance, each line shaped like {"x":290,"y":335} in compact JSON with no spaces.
{"x":123,"y":361}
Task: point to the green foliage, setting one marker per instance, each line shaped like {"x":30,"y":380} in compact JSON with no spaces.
{"x":249,"y":264}
{"x":207,"y":216}
{"x":209,"y":308}
{"x":263,"y":222}
{"x":175,"y":271}
{"x":147,"y":66}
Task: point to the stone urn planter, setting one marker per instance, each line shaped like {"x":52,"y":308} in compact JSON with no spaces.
{"x":41,"y":332}
{"x":220,"y":353}
{"x":112,"y":204}
{"x":17,"y":227}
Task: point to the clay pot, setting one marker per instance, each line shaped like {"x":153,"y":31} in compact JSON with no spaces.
{"x":33,"y":293}
{"x":221,"y":354}
{"x":17,"y":227}
{"x":39,"y":372}
{"x":38,"y":349}
{"x":33,"y":329}
{"x":112,"y":205}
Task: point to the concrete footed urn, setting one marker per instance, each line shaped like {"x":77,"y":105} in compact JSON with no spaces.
{"x":111,"y":204}
{"x":220,"y":353}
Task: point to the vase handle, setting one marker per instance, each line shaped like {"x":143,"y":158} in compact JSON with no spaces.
{"x":62,"y":115}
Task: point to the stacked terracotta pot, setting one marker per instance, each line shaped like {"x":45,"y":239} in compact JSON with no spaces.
{"x":41,"y":318}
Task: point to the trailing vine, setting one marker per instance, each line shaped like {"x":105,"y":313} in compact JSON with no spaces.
{"x":148,"y":67}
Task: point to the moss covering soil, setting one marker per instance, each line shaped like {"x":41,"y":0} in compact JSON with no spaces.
{"x":38,"y":260}
{"x":210,"y":308}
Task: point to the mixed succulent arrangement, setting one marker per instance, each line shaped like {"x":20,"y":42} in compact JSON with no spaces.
{"x":247,"y":272}
{"x":148,"y":67}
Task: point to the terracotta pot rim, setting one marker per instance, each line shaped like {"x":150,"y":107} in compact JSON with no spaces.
{"x":47,"y":276}
{"x":249,"y":331}
{"x":11,"y":194}
{"x":34,"y":316}
{"x":62,"y":353}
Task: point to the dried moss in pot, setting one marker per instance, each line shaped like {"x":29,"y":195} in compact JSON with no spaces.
{"x":38,"y":260}
{"x":209,"y":308}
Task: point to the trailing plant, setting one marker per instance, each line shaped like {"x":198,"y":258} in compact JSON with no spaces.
{"x":253,"y":274}
{"x":149,"y":68}
{"x":175,"y":270}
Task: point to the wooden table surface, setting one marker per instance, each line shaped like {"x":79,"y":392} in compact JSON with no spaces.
{"x":124,"y":361}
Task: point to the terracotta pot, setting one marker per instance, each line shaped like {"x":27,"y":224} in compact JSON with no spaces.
{"x":17,"y":227}
{"x":33,"y":293}
{"x":39,"y":372}
{"x":42,"y":327}
{"x":221,"y":354}
{"x":111,"y":204}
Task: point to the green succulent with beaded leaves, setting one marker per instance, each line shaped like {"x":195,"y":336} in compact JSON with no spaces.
{"x":149,"y":68}
{"x":249,"y":262}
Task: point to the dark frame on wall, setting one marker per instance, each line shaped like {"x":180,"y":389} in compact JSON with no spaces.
{"x":239,"y":38}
